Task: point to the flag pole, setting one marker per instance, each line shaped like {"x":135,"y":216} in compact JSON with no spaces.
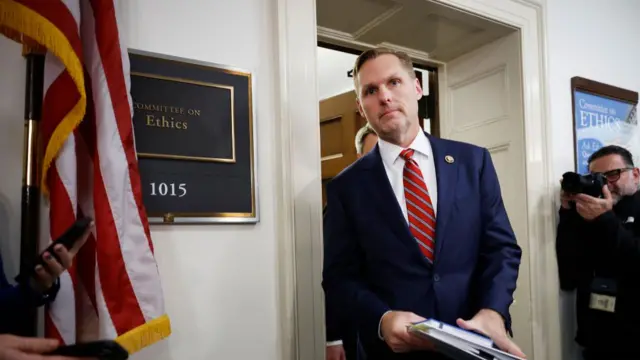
{"x":30,"y":216}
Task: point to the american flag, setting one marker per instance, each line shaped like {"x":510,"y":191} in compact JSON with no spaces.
{"x":113,"y":290}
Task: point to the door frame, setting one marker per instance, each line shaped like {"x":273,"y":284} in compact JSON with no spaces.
{"x":298,"y":194}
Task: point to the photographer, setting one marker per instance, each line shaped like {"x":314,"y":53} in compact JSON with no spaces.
{"x":598,"y":249}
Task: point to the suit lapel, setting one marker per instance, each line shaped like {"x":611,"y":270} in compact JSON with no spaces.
{"x":447,"y":178}
{"x":385,"y":199}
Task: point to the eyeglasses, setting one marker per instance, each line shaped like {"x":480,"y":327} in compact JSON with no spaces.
{"x":614,"y":175}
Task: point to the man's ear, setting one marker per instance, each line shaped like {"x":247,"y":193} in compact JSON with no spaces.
{"x":360,"y":109}
{"x":418,"y":89}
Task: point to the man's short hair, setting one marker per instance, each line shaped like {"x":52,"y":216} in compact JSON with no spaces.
{"x":371,"y":54}
{"x":613,"y":150}
{"x":361,"y":135}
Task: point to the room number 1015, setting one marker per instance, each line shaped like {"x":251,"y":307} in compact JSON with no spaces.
{"x":164,"y":189}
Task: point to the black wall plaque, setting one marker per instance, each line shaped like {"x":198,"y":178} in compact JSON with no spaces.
{"x":193,"y":124}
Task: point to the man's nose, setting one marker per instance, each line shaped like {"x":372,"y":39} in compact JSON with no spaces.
{"x":384,"y":95}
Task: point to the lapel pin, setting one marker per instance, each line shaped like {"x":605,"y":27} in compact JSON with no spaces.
{"x":449,"y":159}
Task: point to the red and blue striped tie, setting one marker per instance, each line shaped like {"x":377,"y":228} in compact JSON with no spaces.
{"x":422,"y":217}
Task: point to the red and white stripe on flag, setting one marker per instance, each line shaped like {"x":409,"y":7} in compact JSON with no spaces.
{"x":113,"y":289}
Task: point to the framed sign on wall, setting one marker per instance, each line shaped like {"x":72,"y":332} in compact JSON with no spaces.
{"x":193,"y":124}
{"x":602,"y":115}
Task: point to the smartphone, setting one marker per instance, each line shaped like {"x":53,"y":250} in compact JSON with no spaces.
{"x":100,"y":350}
{"x":68,"y":239}
{"x":73,"y":234}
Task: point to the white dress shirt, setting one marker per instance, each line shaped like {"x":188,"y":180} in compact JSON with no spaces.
{"x":394,"y":166}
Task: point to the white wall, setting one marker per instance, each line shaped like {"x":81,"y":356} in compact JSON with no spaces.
{"x":333,"y":66}
{"x":12,"y":88}
{"x":593,"y":39}
{"x":218,"y":277}
{"x":215,"y":278}
{"x":597,"y":40}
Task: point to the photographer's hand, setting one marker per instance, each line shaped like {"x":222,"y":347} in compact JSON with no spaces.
{"x":590,"y":208}
{"x":565,"y":198}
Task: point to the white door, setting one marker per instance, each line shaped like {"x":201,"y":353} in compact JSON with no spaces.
{"x":483,"y":106}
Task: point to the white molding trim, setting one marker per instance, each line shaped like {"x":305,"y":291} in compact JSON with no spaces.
{"x":337,"y":37}
{"x":299,"y":198}
{"x":497,"y":148}
{"x":301,"y":305}
{"x":414,"y":54}
{"x":286,"y":272}
{"x":377,"y":21}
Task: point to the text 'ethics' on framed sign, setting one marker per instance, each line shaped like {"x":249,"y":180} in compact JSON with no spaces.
{"x":602,"y":115}
{"x":193,"y":124}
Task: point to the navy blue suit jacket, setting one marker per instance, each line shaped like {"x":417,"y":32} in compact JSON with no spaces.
{"x":373,"y":264}
{"x":16,"y":301}
{"x":339,"y":327}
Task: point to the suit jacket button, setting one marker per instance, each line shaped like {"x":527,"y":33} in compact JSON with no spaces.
{"x":436,"y":277}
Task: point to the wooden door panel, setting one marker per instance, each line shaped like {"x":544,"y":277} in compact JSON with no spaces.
{"x":338,"y":127}
{"x":339,"y":123}
{"x":334,"y":154}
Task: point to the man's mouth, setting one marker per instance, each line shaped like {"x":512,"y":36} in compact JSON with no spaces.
{"x":388,"y":112}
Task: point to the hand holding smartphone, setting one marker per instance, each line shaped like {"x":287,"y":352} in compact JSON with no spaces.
{"x":57,"y":257}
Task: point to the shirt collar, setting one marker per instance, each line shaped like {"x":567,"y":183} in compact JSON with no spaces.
{"x":391,"y":152}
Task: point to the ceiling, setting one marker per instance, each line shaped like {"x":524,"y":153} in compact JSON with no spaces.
{"x":423,"y":28}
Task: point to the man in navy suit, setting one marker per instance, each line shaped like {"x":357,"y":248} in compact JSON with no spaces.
{"x":342,"y":335}
{"x":416,"y":228}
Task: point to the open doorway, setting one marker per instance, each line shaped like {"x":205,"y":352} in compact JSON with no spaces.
{"x":299,"y":212}
{"x":473,"y":71}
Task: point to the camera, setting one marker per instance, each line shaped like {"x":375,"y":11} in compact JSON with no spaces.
{"x":590,"y":184}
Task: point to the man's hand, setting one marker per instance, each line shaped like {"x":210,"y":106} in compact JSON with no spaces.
{"x":565,"y":199}
{"x":491,"y":324}
{"x":396,"y":335}
{"x":46,"y":275}
{"x":22,"y":348}
{"x":335,"y":352}
{"x":590,"y":208}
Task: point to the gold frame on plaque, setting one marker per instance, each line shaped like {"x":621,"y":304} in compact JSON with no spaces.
{"x":201,"y":83}
{"x":210,"y":217}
